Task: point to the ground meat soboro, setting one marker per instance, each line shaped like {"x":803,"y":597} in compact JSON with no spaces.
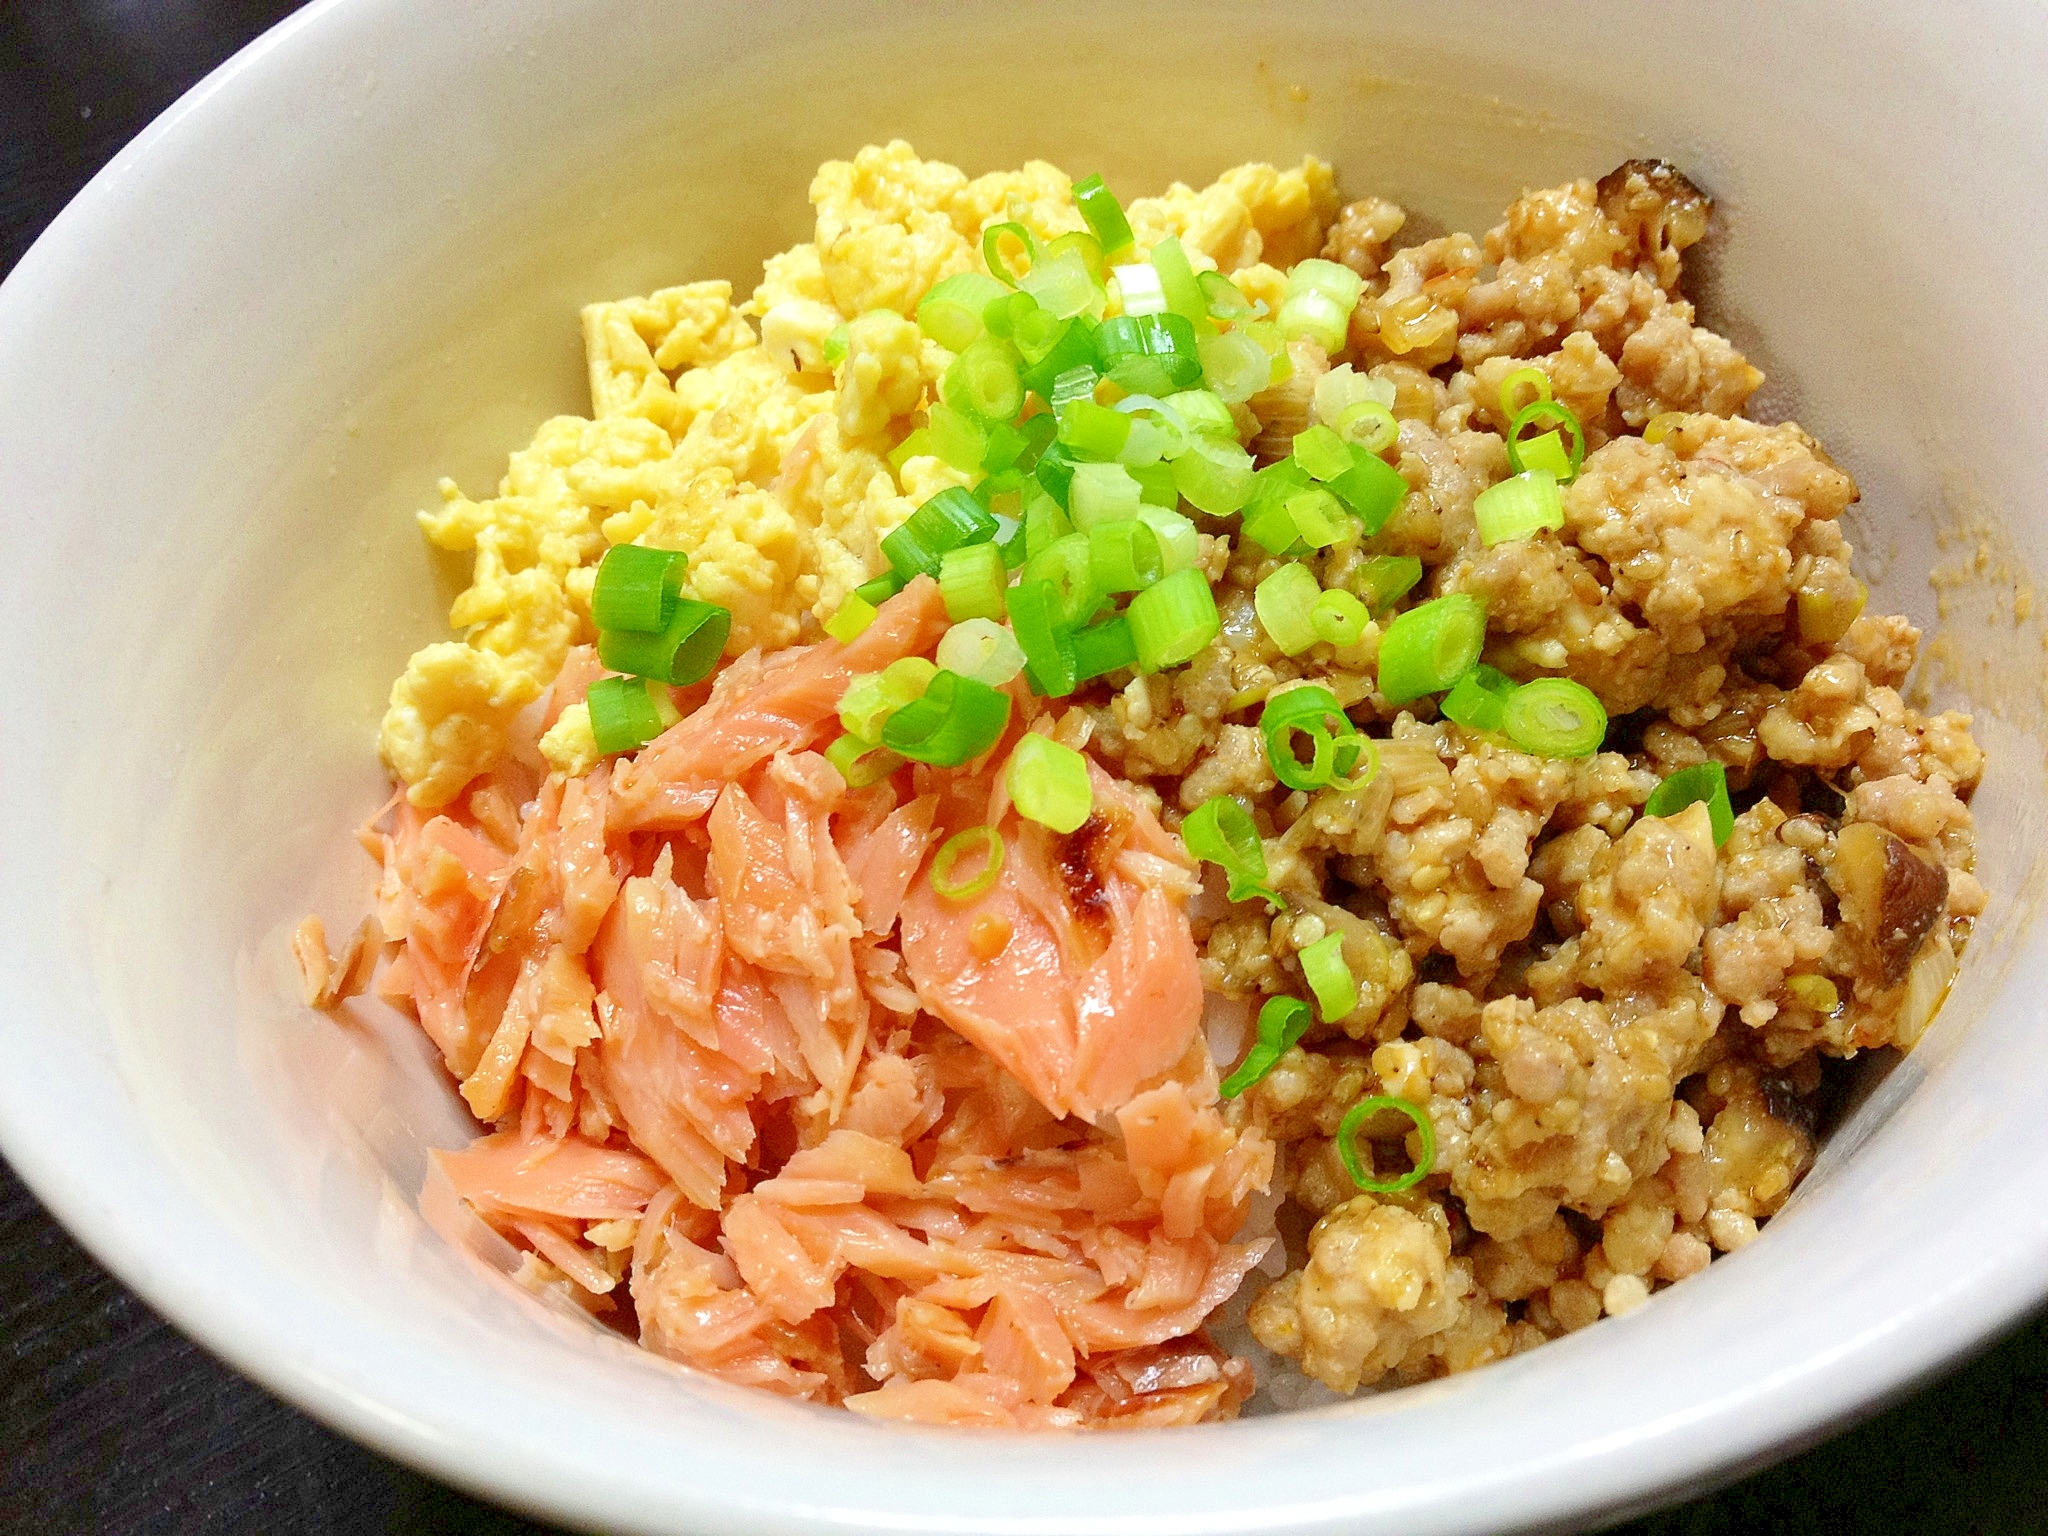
{"x":1619,"y":1031}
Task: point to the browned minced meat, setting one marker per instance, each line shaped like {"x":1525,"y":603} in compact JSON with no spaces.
{"x":1617,"y":1029}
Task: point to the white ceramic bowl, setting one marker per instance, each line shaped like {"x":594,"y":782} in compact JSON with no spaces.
{"x":350,"y":261}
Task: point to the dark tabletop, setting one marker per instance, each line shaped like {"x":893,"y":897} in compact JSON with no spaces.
{"x":111,"y":1422}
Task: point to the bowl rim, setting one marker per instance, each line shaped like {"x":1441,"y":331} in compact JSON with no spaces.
{"x":334,"y":1376}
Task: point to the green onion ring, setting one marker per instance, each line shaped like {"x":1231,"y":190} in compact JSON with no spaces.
{"x":964,"y":845}
{"x":991,"y":250}
{"x":1356,"y":1165}
{"x":1313,"y":711}
{"x":1555,"y":717}
{"x":1535,"y":377}
{"x":1547,"y":410}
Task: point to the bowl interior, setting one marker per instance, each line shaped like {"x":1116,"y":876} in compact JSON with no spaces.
{"x":350,"y":263}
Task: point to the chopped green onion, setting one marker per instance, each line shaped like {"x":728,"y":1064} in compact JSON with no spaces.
{"x":1038,"y":431}
{"x":1548,"y":410}
{"x":851,"y":619}
{"x":1545,"y":452}
{"x":1035,"y":331}
{"x":955,"y":721}
{"x":1431,"y":646}
{"x":1369,"y":425}
{"x":1223,"y":298}
{"x":1518,"y":507}
{"x":1322,"y":453}
{"x":1825,"y":614}
{"x":965,"y":845}
{"x":1177,"y":281}
{"x":1068,"y":565}
{"x":1173,"y":619}
{"x":983,"y":650}
{"x":1357,"y":762}
{"x":1510,"y":387}
{"x":685,"y":650}
{"x":1372,"y":488}
{"x":1065,"y":363}
{"x":1384,"y":580}
{"x":1202,"y":413}
{"x":623,"y":713}
{"x":1283,"y":602}
{"x":1141,"y":289}
{"x":1147,"y":443}
{"x":1311,"y":711}
{"x":1221,"y":831}
{"x":1359,"y":1165}
{"x":1012,"y":544}
{"x":1124,"y":555}
{"x":971,"y":580}
{"x":1103,"y":648}
{"x":1005,"y":311}
{"x":861,"y":763}
{"x":1049,"y":783}
{"x":1815,"y":991}
{"x":1055,"y":471}
{"x":1339,"y":618}
{"x":1004,"y":447}
{"x":1336,"y":989}
{"x":1105,"y":215}
{"x":882,"y":588}
{"x":1063,"y":284}
{"x":1087,"y":247}
{"x":1282,"y":1023}
{"x":1279,"y":361}
{"x":982,"y":381}
{"x":1278,"y":481}
{"x":1318,"y":517}
{"x":1155,"y":487}
{"x":1701,"y":784}
{"x":1075,"y":383}
{"x":1093,"y":430}
{"x":1554,"y":717}
{"x":1270,"y":527}
{"x":1049,"y":661}
{"x":1479,"y":700}
{"x":637,"y":587}
{"x":1267,"y":522}
{"x":1180,"y":544}
{"x":1152,"y":354}
{"x":1343,"y":387}
{"x":1214,"y":476}
{"x":956,"y":437}
{"x":952,"y":519}
{"x":991,"y":250}
{"x":872,"y":697}
{"x":1236,"y":366}
{"x":837,"y":341}
{"x":1162,"y":418}
{"x":1045,"y":521}
{"x":951,"y":310}
{"x":1101,"y":493}
{"x":1318,"y":303}
{"x":914,"y":445}
{"x":1662,"y":425}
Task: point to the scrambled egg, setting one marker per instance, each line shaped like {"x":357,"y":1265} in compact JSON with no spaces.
{"x":745,"y":450}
